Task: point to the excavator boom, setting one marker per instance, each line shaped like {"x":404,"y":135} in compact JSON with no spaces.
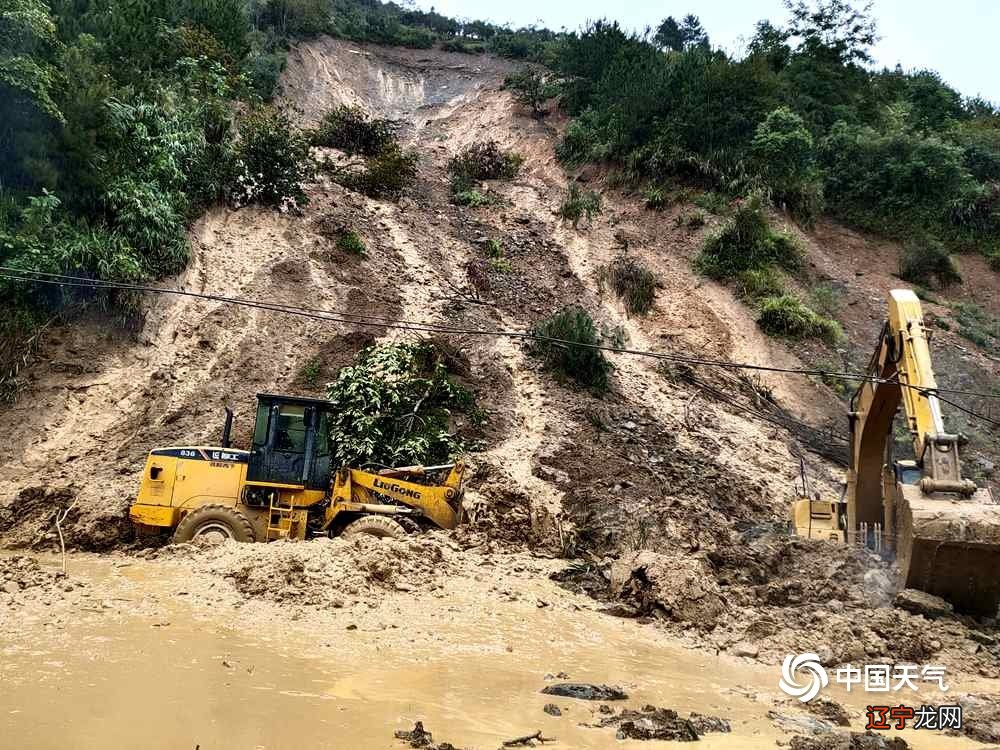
{"x":945,"y":530}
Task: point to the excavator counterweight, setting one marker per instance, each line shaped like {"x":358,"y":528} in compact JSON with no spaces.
{"x":943,"y":529}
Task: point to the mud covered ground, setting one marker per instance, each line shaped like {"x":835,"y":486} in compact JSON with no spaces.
{"x":660,"y":502}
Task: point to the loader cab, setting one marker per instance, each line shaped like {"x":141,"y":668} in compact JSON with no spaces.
{"x":291,"y":443}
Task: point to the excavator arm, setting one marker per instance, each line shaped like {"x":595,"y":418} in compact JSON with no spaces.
{"x":945,"y":530}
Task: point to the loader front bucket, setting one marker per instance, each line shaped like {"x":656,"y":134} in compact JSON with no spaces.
{"x":950,"y":547}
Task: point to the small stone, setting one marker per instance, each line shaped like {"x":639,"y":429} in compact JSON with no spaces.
{"x":744,"y":649}
{"x":12,"y":587}
{"x":552,"y":709}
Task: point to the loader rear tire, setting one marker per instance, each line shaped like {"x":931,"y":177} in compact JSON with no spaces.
{"x":380,"y":526}
{"x":228,"y":523}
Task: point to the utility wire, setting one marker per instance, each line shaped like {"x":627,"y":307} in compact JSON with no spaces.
{"x":340,"y":316}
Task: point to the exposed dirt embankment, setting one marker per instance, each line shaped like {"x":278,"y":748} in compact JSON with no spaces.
{"x":658,"y":466}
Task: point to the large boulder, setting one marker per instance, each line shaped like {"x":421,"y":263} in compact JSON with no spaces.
{"x":681,"y":587}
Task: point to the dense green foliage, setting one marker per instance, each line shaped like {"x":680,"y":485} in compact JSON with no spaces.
{"x":351,"y":130}
{"x":632,"y":282}
{"x":351,"y":242}
{"x":117,"y":127}
{"x":799,"y":117}
{"x":581,"y":363}
{"x":394,"y":407}
{"x":531,"y":89}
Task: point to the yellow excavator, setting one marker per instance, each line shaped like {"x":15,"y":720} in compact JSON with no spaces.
{"x":284,"y":486}
{"x":943,"y":529}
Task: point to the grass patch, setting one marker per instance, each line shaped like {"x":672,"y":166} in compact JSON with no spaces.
{"x":471,"y":198}
{"x":582,"y":364}
{"x":758,"y":283}
{"x":788,"y":316}
{"x":580,"y":203}
{"x":714,"y":203}
{"x":310,"y":371}
{"x":632,"y":282}
{"x":825,"y":299}
{"x":351,"y":242}
{"x":926,"y":261}
{"x":976,"y":325}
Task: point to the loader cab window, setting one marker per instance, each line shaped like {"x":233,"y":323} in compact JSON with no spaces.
{"x":291,"y":443}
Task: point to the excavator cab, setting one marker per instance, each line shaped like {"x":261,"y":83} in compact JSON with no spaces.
{"x":291,"y":443}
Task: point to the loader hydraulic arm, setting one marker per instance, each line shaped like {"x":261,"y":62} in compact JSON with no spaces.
{"x":389,"y":490}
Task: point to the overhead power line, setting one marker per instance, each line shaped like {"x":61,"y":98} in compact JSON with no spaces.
{"x":374,"y":321}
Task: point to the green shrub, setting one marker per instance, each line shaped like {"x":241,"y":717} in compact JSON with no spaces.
{"x":580,"y":202}
{"x":756,"y":283}
{"x":263,"y":70}
{"x":927,"y":261}
{"x":386,"y":175}
{"x":581,"y":363}
{"x":484,"y":160}
{"x":472,"y":198}
{"x":351,"y":242}
{"x":745,"y":243}
{"x":351,"y":130}
{"x":272,"y":161}
{"x":655,"y":197}
{"x":462,"y":46}
{"x":786,"y":315}
{"x":632,"y":282}
{"x":531,"y":89}
{"x":394,"y":407}
{"x":714,"y":203}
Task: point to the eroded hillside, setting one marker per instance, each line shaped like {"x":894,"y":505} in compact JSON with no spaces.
{"x":676,"y":461}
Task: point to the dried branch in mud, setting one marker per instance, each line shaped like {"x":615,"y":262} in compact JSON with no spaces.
{"x":528,"y":740}
{"x":60,"y":517}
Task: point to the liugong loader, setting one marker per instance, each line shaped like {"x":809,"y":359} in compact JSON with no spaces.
{"x":284,"y":487}
{"x":944,"y":530}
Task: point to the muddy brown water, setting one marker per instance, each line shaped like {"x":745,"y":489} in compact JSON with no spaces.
{"x":155,"y":662}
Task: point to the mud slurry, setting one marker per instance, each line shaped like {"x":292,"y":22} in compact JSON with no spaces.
{"x":669,"y":500}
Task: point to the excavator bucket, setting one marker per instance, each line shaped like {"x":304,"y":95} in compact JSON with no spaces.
{"x":950,"y":547}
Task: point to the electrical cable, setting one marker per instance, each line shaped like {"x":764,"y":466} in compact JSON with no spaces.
{"x":340,"y":316}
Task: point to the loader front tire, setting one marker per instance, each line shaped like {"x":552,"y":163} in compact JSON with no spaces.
{"x":227,"y":523}
{"x":380,"y":526}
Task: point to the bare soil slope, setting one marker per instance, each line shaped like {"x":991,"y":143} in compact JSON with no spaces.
{"x":656,"y":465}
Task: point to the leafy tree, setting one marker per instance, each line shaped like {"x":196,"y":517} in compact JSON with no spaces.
{"x":785,"y":156}
{"x":668,"y":35}
{"x":686,"y":35}
{"x":531,"y":89}
{"x":394,"y":407}
{"x":833,"y":29}
{"x":771,"y":44}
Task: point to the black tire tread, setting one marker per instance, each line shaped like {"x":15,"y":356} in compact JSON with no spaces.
{"x":240,"y":524}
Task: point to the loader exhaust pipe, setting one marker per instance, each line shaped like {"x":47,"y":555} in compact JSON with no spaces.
{"x":227,"y":428}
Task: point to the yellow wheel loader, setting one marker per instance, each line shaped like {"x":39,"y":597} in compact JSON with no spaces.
{"x":284,"y":486}
{"x":944,"y":531}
